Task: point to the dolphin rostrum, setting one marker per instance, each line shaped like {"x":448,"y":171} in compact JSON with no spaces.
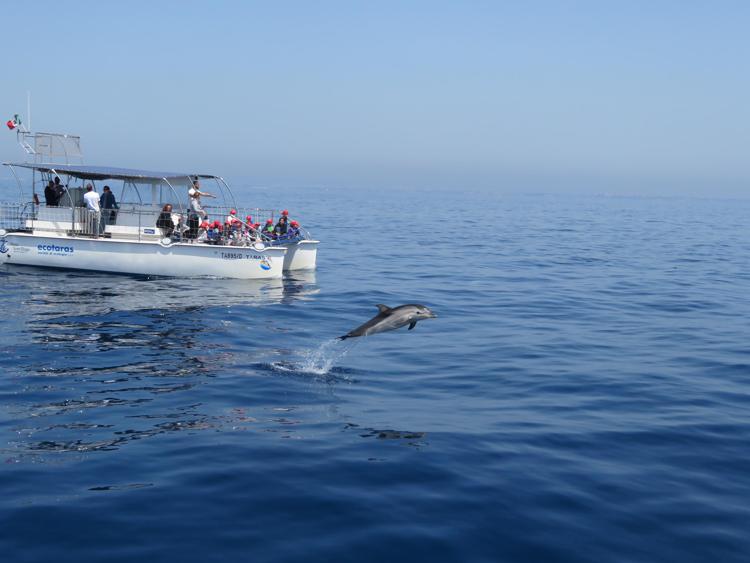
{"x":390,"y":319}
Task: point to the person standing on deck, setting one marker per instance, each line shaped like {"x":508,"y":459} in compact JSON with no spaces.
{"x":59,"y":190}
{"x":108,"y":202}
{"x":92,"y":205}
{"x":195,"y":194}
{"x":196,"y":214}
{"x":50,"y":198}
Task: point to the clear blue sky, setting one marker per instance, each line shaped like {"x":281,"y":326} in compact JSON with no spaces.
{"x":639,"y":96}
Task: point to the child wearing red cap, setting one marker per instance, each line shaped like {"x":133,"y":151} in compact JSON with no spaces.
{"x":293,"y":231}
{"x":213,"y":234}
{"x":268,"y":229}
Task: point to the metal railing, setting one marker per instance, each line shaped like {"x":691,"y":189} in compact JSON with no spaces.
{"x":134,"y":222}
{"x":14,"y":216}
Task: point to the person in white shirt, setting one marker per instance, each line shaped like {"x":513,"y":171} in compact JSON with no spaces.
{"x":91,"y":198}
{"x":92,"y":204}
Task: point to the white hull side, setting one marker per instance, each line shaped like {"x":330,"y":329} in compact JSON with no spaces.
{"x":301,"y":255}
{"x":142,"y":257}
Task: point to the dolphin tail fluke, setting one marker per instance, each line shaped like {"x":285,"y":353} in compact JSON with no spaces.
{"x":343,"y":337}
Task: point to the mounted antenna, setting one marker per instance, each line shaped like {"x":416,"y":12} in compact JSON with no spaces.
{"x":28,"y":109}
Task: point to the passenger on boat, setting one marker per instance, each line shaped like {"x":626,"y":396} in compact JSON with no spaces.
{"x":59,"y":189}
{"x":195,"y":199}
{"x":50,"y":197}
{"x":268,"y":230}
{"x":229,"y":232}
{"x":249,"y":230}
{"x":92,"y":204}
{"x":164,"y":222}
{"x":193,"y":224}
{"x":91,"y":198}
{"x":110,"y":205}
{"x":282,"y":226}
{"x":293,"y":231}
{"x":195,"y":190}
{"x":213,"y":233}
{"x":203,"y":231}
{"x":195,"y":205}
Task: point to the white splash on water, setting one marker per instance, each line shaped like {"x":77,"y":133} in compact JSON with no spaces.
{"x":320,"y":360}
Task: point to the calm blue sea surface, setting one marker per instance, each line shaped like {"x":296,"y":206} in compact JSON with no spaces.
{"x":583,"y":396}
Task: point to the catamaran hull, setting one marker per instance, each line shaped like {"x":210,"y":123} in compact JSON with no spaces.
{"x":301,"y":255}
{"x":142,"y":257}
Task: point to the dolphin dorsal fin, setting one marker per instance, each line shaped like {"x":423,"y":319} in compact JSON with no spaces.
{"x":383,"y":308}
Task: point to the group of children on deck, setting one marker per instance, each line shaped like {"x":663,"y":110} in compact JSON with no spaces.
{"x":234,"y":229}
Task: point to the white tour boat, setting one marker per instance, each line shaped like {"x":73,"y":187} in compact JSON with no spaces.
{"x":67,"y":234}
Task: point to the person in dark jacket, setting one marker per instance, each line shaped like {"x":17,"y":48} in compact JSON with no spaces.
{"x":59,"y":190}
{"x":108,"y":205}
{"x":281,"y":227}
{"x":164,"y":222}
{"x":50,"y":197}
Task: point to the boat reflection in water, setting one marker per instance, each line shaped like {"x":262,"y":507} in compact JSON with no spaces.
{"x":95,"y":361}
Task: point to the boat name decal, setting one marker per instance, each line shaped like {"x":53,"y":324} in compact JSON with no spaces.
{"x":54,"y":250}
{"x":240,"y":256}
{"x":265,"y":263}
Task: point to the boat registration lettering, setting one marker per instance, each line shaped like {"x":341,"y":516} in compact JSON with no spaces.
{"x":239,"y":256}
{"x":54,"y":250}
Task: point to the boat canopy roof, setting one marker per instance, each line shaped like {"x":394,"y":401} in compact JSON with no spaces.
{"x":110,"y":173}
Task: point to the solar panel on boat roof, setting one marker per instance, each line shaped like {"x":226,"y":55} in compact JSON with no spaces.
{"x":107,"y":172}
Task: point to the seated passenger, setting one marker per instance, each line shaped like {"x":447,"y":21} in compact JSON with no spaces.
{"x":294,"y":231}
{"x":164,"y":222}
{"x":281,"y":227}
{"x":268,"y":230}
{"x":213,"y":233}
{"x":203,"y":231}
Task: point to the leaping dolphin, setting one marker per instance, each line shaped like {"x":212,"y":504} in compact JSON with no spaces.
{"x":390,"y":319}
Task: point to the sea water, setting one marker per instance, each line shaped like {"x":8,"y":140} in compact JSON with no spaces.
{"x":584,"y":394}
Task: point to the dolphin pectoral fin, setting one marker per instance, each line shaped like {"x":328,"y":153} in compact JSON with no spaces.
{"x":412,"y":324}
{"x":383,"y":308}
